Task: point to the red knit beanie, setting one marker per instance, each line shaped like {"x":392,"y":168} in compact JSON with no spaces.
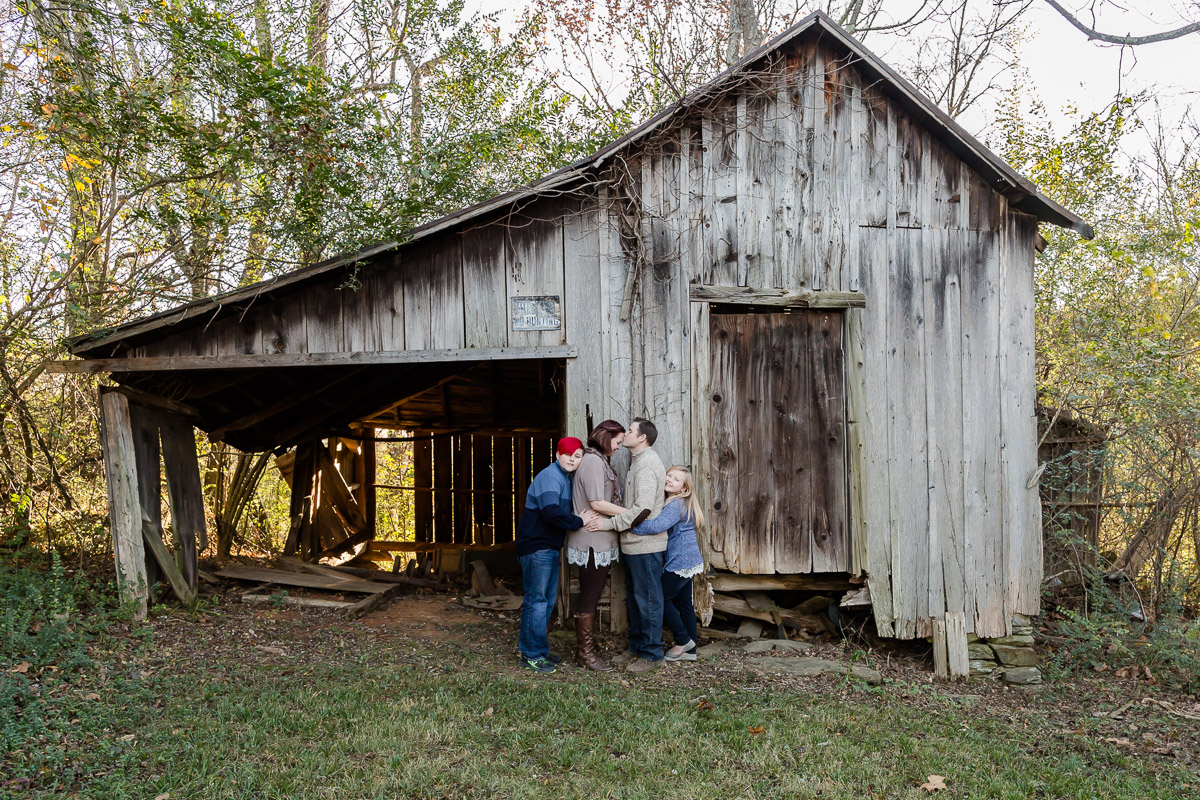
{"x":568,"y":445}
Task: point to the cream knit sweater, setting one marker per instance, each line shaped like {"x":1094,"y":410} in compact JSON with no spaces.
{"x":645,"y":486}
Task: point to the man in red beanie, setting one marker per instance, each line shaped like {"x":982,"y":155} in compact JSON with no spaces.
{"x":545,"y":520}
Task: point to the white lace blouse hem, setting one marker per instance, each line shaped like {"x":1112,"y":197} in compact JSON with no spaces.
{"x":603,"y":559}
{"x":690,"y":572}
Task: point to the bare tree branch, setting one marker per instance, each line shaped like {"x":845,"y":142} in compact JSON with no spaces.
{"x":1095,"y":35}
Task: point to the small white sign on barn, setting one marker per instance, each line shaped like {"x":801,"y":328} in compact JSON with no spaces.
{"x":536,"y":313}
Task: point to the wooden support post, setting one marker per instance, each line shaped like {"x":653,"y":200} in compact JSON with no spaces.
{"x":522,"y":447}
{"x":301,"y":511}
{"x":618,"y":612}
{"x":124,"y":507}
{"x":184,"y":493}
{"x":941,"y":669}
{"x":144,"y":423}
{"x":423,"y":498}
{"x":462,"y":489}
{"x":443,"y":505}
{"x":481,"y":481}
{"x":956,"y":645}
{"x":367,"y":497}
{"x":503,"y":491}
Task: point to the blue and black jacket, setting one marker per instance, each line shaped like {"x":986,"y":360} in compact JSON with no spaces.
{"x":547,"y":517}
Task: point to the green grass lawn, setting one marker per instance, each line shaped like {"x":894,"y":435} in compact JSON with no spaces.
{"x":259,"y":703}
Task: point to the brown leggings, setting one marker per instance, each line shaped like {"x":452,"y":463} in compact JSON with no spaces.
{"x":591,"y":584}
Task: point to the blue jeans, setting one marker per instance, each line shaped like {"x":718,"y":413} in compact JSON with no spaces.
{"x":644,"y":595}
{"x":539,"y":579}
{"x":678,"y":611}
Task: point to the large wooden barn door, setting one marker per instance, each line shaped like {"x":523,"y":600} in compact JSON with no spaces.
{"x":778,"y":460}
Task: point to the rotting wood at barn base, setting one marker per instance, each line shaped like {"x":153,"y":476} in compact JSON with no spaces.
{"x":816,"y":284}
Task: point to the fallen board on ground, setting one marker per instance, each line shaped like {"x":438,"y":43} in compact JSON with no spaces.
{"x":335,"y":584}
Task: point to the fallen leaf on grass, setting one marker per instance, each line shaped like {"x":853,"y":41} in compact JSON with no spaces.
{"x":129,"y":737}
{"x":91,"y":696}
{"x":935,"y":783}
{"x":756,"y":729}
{"x":490,"y":710}
{"x":1101,"y":667}
{"x":163,"y":796}
{"x":22,"y":668}
{"x":704,"y":705}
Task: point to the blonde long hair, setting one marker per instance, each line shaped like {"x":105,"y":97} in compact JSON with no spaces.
{"x":687,"y":493}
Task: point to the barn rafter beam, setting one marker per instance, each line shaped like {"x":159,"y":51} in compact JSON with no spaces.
{"x":275,"y":360}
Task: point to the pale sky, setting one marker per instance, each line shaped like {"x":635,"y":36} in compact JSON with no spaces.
{"x":1065,"y":68}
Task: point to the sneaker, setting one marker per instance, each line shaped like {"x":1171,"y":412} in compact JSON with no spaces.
{"x":553,"y":659}
{"x":622,"y":658}
{"x":642,"y":665}
{"x":682,"y":652}
{"x":539,"y":665}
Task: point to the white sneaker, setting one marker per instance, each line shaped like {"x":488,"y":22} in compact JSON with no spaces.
{"x":682,"y":652}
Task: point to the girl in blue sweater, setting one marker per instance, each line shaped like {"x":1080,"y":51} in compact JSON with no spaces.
{"x":680,"y":517}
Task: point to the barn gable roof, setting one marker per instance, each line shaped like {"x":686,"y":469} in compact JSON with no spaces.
{"x":1021,"y":193}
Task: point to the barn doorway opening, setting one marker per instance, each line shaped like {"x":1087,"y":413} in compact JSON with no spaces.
{"x":433,"y":477}
{"x":778,"y":442}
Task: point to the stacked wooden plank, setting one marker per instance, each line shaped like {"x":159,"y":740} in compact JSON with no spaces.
{"x":377,"y":588}
{"x":758,"y":602}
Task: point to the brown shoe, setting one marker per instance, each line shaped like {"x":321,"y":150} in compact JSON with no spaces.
{"x":624,"y":657}
{"x":585,"y":644}
{"x":642,"y":665}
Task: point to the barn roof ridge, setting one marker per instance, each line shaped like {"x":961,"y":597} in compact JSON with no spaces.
{"x":1022,"y":192}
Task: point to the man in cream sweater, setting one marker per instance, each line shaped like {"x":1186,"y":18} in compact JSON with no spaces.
{"x":642,"y":555}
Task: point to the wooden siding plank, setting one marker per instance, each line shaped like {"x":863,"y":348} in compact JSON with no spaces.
{"x":446,"y":324}
{"x":482,"y":482}
{"x":720,"y":195}
{"x":755,"y":181}
{"x":282,"y":326}
{"x":946,"y":193}
{"x":354,"y":311}
{"x":535,"y":268}
{"x":833,"y":166}
{"x":791,"y":175}
{"x":583,"y":311}
{"x":910,"y":149}
{"x":691,"y":204}
{"x":1018,"y":421}
{"x":417,"y":278}
{"x":858,"y":485}
{"x":757,"y":362}
{"x":618,"y":340}
{"x":663,"y":304}
{"x":725,"y":524}
{"x":389,"y":306}
{"x":816,"y":214}
{"x":828,"y":403}
{"x":701,"y":404}
{"x":944,"y":399}
{"x":486,"y":314}
{"x":877,"y":516}
{"x":983,"y":502}
{"x":908,"y":442}
{"x":323,"y":319}
{"x":790,"y":427}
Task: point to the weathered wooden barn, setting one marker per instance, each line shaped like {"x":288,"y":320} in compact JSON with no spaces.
{"x":817,"y":284}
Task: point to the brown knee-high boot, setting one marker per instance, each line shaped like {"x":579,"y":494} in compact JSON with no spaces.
{"x":585,"y":644}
